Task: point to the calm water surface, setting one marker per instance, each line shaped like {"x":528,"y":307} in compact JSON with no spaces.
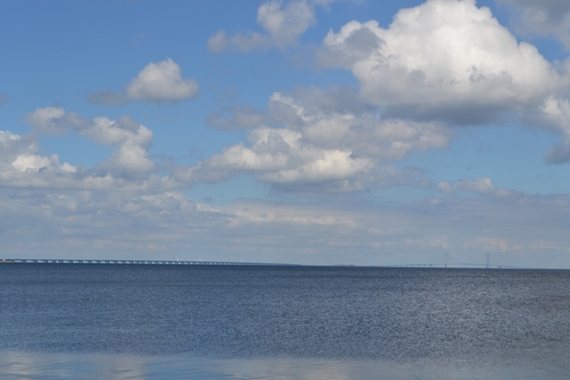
{"x":154,"y":322}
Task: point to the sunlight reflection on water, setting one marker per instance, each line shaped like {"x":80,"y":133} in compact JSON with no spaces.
{"x":40,"y":366}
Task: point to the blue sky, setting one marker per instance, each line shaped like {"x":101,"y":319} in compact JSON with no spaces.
{"x":304,"y":131}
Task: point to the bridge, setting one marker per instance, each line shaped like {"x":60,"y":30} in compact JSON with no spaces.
{"x":143,"y":262}
{"x":449,"y":263}
{"x":457,"y":265}
{"x":454,"y":264}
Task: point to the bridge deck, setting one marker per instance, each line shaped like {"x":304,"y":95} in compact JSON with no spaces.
{"x":142,"y":262}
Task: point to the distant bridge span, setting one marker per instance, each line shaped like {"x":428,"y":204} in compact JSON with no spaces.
{"x":449,"y":264}
{"x":144,"y":262}
{"x":458,"y":265}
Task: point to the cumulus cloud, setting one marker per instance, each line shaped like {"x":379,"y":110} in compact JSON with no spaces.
{"x":279,"y":156}
{"x":319,"y":140}
{"x":553,"y":115}
{"x":545,"y":17}
{"x":442,"y":60}
{"x":451,"y":62}
{"x":22,"y":166}
{"x":283,"y":25}
{"x":156,"y":82}
{"x":13,"y":144}
{"x":337,"y":119}
{"x":54,"y":120}
{"x":131,"y":139}
{"x":19,"y":158}
{"x":128,"y":166}
{"x":327,"y":121}
{"x":35,"y":163}
{"x":161,"y":81}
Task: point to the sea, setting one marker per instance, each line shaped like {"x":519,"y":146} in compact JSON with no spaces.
{"x":120,"y":321}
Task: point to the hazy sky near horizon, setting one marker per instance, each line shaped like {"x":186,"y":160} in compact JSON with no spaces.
{"x":303,"y":131}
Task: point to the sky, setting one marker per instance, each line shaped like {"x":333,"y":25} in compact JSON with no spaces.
{"x":297,"y":131}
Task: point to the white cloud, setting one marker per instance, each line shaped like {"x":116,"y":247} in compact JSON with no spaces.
{"x":543,"y":245}
{"x":21,"y":166}
{"x":414,"y":233}
{"x":128,"y":167}
{"x":446,"y":60}
{"x":35,"y":163}
{"x":328,"y":121}
{"x":217,"y":43}
{"x":162,"y":81}
{"x":552,"y":115}
{"x":132,"y":141}
{"x":491,"y":244}
{"x":54,"y":120}
{"x":156,"y":82}
{"x":429,"y":241}
{"x":166,"y":224}
{"x":449,"y":61}
{"x":283,"y":25}
{"x":13,"y":145}
{"x":480,"y":186}
{"x":309,"y":141}
{"x":249,"y":41}
{"x":316,"y":140}
{"x":337,"y":119}
{"x":43,"y":118}
{"x":18,"y":154}
{"x":279,"y":156}
{"x":263,"y":213}
{"x":545,"y":17}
